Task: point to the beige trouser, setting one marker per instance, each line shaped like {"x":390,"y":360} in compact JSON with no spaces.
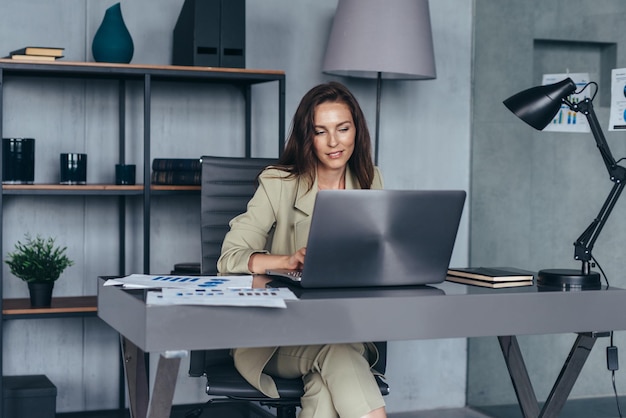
{"x":337,"y":379}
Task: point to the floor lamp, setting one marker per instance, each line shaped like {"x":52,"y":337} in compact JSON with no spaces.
{"x":381,"y":39}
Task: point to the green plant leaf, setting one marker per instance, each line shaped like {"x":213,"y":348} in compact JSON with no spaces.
{"x":38,"y":260}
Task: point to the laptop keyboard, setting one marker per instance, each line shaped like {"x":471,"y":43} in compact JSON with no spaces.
{"x":291,"y":275}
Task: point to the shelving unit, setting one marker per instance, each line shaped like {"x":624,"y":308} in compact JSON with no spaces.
{"x":147,"y":75}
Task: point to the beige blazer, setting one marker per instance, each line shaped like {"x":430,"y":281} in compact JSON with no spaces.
{"x":277,"y":221}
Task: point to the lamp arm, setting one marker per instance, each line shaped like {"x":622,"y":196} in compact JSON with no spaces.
{"x":617,"y":173}
{"x":584,"y":244}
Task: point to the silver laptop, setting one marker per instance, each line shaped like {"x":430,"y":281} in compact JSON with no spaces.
{"x":361,"y":238}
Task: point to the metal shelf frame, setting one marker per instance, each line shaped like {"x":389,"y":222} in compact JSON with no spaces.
{"x":123,"y":73}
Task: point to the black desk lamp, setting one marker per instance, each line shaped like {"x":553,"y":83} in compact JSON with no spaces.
{"x":537,"y":106}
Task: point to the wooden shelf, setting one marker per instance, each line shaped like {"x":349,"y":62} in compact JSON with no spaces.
{"x":56,"y":186}
{"x":61,"y":306}
{"x":77,"y":69}
{"x":168,"y":187}
{"x":140,"y":67}
{"x":90,"y":189}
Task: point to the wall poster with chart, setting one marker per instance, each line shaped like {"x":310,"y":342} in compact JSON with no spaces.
{"x":617,"y":119}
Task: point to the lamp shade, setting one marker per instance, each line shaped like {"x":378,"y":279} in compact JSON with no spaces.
{"x":537,"y":106}
{"x":390,"y":37}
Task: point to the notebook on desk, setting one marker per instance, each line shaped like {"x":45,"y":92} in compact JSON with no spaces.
{"x":362,"y":238}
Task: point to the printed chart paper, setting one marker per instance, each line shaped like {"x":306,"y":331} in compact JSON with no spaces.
{"x":144,"y":281}
{"x":566,"y":120}
{"x":268,"y":298}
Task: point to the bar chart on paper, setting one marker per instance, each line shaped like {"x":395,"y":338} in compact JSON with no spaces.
{"x":145,"y":281}
{"x":268,"y":298}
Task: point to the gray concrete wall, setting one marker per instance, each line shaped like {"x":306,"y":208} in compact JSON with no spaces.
{"x":425,"y":132}
{"x":533,"y":193}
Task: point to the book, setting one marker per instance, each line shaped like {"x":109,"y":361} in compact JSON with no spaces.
{"x":176,"y":177}
{"x":492,"y":274}
{"x":490,"y":284}
{"x":176,"y":164}
{"x":31,"y":58}
{"x":39,"y":51}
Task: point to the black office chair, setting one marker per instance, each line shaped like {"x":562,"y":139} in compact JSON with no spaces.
{"x":227,"y":186}
{"x":224,"y":381}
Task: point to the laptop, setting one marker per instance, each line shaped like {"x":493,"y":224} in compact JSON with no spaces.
{"x":363,"y":238}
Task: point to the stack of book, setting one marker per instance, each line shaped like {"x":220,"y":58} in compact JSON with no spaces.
{"x":493,"y":277}
{"x":176,"y":171}
{"x":36,"y":53}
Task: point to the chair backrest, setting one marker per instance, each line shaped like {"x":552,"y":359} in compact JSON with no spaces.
{"x":227,"y":186}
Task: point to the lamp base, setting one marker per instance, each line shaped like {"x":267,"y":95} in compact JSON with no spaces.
{"x":568,"y":278}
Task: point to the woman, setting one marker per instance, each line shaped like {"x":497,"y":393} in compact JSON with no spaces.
{"x":328,"y":148}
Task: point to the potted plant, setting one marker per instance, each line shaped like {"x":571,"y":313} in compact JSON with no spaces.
{"x":38,"y":262}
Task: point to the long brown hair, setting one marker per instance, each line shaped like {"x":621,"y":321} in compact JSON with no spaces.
{"x":299,"y":157}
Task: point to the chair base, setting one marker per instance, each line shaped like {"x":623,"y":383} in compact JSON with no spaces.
{"x":239,"y":408}
{"x":286,"y":412}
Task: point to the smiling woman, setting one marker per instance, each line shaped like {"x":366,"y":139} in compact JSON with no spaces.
{"x":328,"y":148}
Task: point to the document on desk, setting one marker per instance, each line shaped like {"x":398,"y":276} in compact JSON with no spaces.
{"x":268,"y":298}
{"x":145,"y":281}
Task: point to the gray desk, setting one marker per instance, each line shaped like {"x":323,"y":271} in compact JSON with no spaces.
{"x":446,"y":311}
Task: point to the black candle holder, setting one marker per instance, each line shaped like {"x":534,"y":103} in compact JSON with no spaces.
{"x":18,"y":160}
{"x":73,"y":168}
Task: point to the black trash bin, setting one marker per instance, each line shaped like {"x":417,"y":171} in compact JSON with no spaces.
{"x":32,"y":396}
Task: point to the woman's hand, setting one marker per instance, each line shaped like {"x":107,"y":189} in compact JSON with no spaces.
{"x":296,"y":261}
{"x":259,"y":263}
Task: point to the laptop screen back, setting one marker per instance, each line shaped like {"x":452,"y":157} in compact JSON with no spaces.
{"x":381,"y":237}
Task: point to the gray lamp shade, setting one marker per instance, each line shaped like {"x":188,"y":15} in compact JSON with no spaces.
{"x":391,"y":37}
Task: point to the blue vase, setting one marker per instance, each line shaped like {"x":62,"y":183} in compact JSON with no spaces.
{"x":112,"y":41}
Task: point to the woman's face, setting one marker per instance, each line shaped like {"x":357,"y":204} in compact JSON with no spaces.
{"x":334,"y":134}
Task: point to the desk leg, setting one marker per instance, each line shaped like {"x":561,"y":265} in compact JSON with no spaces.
{"x":519,"y":376}
{"x":569,"y":373}
{"x":564,"y":383}
{"x":136,"y":378}
{"x":142,"y":405}
{"x":164,"y":386}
